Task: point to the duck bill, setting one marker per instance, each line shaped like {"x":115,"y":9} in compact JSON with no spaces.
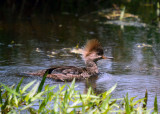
{"x":103,"y":57}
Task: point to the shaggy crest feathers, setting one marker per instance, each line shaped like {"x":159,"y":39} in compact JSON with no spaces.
{"x":92,"y":45}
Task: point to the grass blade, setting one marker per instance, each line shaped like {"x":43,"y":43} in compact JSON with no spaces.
{"x":37,"y":96}
{"x":19,"y":84}
{"x":155,"y":105}
{"x":83,"y":105}
{"x":145,"y":100}
{"x":1,"y":98}
{"x":56,"y":104}
{"x":27,"y":106}
{"x":127,"y":106}
{"x":122,"y":13}
{"x":4,"y":106}
{"x":10,"y":90}
{"x":0,"y":95}
{"x":109,"y":91}
{"x":112,"y":89}
{"x":27,"y":86}
{"x":34,"y":90}
{"x":42,"y":82}
{"x":16,"y":100}
{"x":105,"y":103}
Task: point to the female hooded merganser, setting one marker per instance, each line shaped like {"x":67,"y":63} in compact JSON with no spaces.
{"x":92,"y":52}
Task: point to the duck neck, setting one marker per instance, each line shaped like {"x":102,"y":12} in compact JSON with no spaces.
{"x":91,"y":67}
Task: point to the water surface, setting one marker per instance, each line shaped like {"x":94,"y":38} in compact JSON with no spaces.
{"x":35,"y":44}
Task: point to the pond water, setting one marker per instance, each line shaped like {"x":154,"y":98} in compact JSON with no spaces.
{"x":35,"y":44}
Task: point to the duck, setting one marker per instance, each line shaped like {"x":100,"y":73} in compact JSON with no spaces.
{"x":91,"y":53}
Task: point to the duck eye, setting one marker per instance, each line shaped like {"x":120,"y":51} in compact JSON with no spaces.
{"x":98,"y":53}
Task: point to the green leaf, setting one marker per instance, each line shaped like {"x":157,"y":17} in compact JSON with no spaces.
{"x":27,"y":86}
{"x":122,"y":13}
{"x":140,"y":110}
{"x":66,"y":99}
{"x":89,"y":92}
{"x":47,"y":88}
{"x":72,"y":84}
{"x":155,"y":105}
{"x":33,"y":91}
{"x":127,"y":107}
{"x":16,"y":101}
{"x":19,"y":84}
{"x":145,"y":99}
{"x":56,"y":101}
{"x":45,"y":101}
{"x":10,"y":90}
{"x":69,"y":110}
{"x":137,"y":101}
{"x":105,"y":103}
{"x":132,"y":98}
{"x":27,"y":106}
{"x":42,"y":82}
{"x":113,"y":103}
{"x":61,"y":88}
{"x":0,"y":95}
{"x":91,"y":96}
{"x":41,"y":107}
{"x":5,"y":104}
{"x":83,"y":105}
{"x":109,"y":91}
{"x":75,"y":103}
{"x":37,"y":96}
{"x":93,"y":111}
{"x":32,"y":111}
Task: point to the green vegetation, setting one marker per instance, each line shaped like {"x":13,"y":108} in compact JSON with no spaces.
{"x":16,"y":99}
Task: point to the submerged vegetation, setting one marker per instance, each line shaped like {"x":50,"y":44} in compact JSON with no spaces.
{"x":38,"y":100}
{"x":25,"y":8}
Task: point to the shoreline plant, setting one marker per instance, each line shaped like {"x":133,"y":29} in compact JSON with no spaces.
{"x":44,"y":99}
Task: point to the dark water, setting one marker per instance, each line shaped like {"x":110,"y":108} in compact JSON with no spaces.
{"x":31,"y":45}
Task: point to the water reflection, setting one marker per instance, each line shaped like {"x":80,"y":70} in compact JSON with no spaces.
{"x":133,"y":68}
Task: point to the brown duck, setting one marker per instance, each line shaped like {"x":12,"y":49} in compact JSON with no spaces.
{"x":92,"y":52}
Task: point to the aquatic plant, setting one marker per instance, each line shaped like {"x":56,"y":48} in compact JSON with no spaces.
{"x":122,"y":13}
{"x":40,"y":99}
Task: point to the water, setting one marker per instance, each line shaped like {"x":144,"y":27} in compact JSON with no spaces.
{"x":31,"y":45}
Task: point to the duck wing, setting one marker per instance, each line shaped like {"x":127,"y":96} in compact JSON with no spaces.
{"x":64,"y":73}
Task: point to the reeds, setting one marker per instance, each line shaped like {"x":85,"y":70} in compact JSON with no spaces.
{"x":40,"y":99}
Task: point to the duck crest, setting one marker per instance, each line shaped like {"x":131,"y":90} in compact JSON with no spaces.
{"x":92,"y":46}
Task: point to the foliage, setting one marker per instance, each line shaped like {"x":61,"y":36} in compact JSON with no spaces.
{"x":46,"y":100}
